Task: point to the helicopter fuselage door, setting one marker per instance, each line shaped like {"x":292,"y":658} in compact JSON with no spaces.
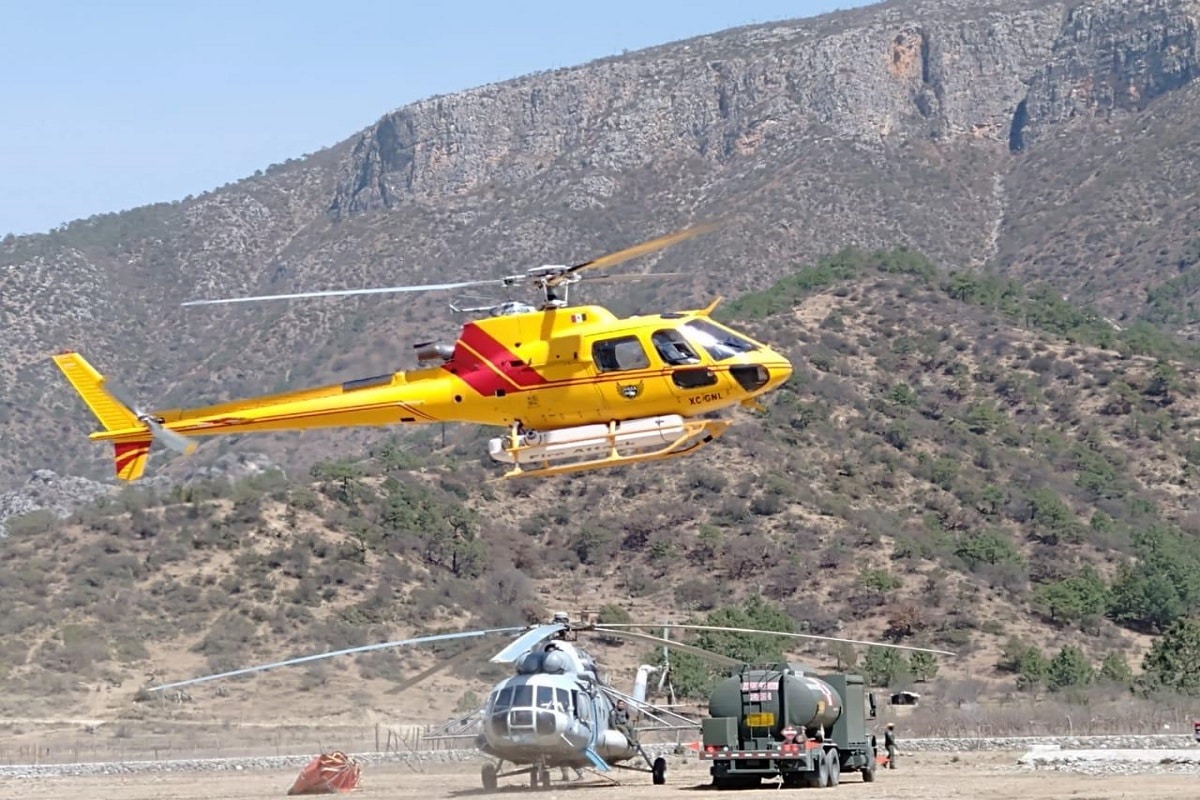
{"x":690,"y":375}
{"x":571,"y":396}
{"x":627,"y":376}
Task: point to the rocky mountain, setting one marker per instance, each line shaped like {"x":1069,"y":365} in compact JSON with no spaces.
{"x":1044,"y":140}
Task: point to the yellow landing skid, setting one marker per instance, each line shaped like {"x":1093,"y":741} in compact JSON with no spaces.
{"x":696,"y":434}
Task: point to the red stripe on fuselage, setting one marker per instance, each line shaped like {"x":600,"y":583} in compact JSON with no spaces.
{"x":493,"y":369}
{"x":503,"y":359}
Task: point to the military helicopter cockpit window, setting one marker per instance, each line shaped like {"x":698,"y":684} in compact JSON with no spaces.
{"x":545,"y":697}
{"x":583,"y":708}
{"x":562,"y":700}
{"x":716,"y":341}
{"x":673,"y":348}
{"x":504,"y":699}
{"x":625,"y":353}
{"x":523,"y":696}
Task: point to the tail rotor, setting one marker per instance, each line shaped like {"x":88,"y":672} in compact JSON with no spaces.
{"x":169,"y":438}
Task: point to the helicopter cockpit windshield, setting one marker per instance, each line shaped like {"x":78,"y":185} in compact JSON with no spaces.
{"x":718,"y":342}
{"x":527,"y":706}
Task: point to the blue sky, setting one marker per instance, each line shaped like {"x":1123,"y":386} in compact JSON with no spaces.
{"x":110,"y":105}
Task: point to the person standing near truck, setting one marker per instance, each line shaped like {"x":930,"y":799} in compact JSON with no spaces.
{"x":889,"y":743}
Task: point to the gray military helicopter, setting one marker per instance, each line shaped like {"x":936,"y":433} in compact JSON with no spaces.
{"x":558,"y":710}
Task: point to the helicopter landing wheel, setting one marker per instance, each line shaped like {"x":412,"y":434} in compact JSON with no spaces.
{"x":489,"y":775}
{"x":658,"y":772}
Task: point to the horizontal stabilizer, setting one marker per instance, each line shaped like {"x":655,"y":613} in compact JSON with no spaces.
{"x":90,"y":384}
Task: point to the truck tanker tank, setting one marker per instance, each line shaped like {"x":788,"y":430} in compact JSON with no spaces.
{"x":775,"y":699}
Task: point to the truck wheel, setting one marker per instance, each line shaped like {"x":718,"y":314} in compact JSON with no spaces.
{"x":868,"y":773}
{"x":822,"y":772}
{"x":835,"y":766}
{"x":659,"y":771}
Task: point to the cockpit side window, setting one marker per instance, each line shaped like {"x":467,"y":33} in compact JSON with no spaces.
{"x":673,"y":348}
{"x":624,"y":353}
{"x":504,"y":699}
{"x":716,"y":341}
{"x":583,"y":707}
{"x":545,"y":696}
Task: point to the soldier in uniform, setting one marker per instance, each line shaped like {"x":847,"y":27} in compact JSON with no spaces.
{"x":619,"y":721}
{"x":889,"y":742}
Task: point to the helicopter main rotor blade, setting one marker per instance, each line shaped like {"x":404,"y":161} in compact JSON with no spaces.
{"x":442,"y":637}
{"x":621,"y":256}
{"x":636,"y":276}
{"x":431,"y":287}
{"x":699,"y":652}
{"x":683,"y":626}
{"x":439,"y":666}
{"x":519,"y":646}
{"x":650,"y":709}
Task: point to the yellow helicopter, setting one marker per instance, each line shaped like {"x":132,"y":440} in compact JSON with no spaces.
{"x":576,"y":387}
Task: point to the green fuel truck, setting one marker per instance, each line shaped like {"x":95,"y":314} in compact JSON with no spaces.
{"x":780,"y":721}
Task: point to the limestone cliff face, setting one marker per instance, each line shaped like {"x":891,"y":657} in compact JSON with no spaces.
{"x":941,"y":69}
{"x":1111,"y":57}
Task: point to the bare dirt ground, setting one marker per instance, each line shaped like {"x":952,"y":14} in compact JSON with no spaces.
{"x":993,"y":776}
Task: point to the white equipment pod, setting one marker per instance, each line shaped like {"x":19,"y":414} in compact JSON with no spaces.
{"x":631,"y":437}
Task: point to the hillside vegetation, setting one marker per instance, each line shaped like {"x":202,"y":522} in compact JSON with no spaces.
{"x":959,"y":461}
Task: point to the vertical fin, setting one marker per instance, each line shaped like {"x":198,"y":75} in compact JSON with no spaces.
{"x":130,"y":458}
{"x":89,"y":384}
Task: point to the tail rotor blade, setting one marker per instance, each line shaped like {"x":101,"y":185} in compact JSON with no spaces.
{"x":176,"y":441}
{"x":119,"y":394}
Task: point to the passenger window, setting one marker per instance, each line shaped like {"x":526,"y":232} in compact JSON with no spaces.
{"x":673,"y":348}
{"x":612,"y":355}
{"x":693,"y":378}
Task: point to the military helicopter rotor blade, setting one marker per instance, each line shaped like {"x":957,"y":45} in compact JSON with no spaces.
{"x":441,"y":665}
{"x":699,"y":652}
{"x":430,"y":287}
{"x":656,"y":713}
{"x":519,"y":646}
{"x":621,"y":256}
{"x":684,"y":626}
{"x":441,"y":637}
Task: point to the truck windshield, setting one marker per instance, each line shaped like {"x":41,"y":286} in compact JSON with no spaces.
{"x":716,"y":341}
